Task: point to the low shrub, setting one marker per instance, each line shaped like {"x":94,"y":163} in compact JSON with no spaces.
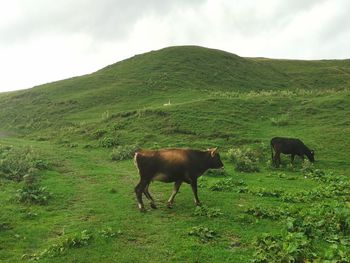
{"x":16,"y":162}
{"x":98,"y":133}
{"x":123,"y":152}
{"x":245,"y":160}
{"x":109,"y":142}
{"x":32,"y":192}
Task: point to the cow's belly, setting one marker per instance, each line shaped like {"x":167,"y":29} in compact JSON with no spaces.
{"x":168,"y":177}
{"x":162,"y":177}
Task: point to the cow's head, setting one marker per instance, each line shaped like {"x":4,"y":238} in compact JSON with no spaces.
{"x":312,"y":156}
{"x":214,"y":160}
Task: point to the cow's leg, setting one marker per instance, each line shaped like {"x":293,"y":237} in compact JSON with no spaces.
{"x":292,"y":158}
{"x":194,"y":189}
{"x":277,"y":159}
{"x":139,"y":189}
{"x":173,"y":194}
{"x":149,"y":197}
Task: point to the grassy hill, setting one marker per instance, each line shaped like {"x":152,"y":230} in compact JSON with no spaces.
{"x":77,"y":128}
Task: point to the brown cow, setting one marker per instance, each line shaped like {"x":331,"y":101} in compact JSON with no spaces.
{"x":173,"y":165}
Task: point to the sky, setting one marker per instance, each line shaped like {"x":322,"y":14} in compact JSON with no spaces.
{"x":43,"y":41}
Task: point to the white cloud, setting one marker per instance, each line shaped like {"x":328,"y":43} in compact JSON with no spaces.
{"x":52,"y":40}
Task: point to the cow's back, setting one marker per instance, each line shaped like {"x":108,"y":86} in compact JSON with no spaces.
{"x":288,"y":145}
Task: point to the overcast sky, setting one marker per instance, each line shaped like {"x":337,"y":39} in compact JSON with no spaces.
{"x":47,"y":40}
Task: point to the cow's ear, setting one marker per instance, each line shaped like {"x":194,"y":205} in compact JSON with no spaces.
{"x":213,"y":151}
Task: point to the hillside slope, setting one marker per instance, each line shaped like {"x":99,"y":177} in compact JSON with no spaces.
{"x":67,"y":176}
{"x":150,"y":79}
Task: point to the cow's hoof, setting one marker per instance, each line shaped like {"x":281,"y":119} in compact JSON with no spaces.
{"x":142,"y":208}
{"x":154,"y":206}
{"x":198,"y":204}
{"x":170,"y":205}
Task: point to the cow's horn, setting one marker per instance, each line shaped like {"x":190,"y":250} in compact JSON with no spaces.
{"x":213,"y":151}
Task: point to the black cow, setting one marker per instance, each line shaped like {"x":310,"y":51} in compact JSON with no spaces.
{"x":173,"y":165}
{"x":290,"y":146}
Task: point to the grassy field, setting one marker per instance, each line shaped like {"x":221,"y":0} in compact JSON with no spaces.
{"x":67,"y":176}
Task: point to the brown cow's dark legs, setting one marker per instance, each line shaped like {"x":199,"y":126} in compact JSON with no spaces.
{"x":149,"y":197}
{"x":175,"y":190}
{"x":139,"y":189}
{"x":194,"y":189}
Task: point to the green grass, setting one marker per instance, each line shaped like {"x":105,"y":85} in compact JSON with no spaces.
{"x":217,"y":99}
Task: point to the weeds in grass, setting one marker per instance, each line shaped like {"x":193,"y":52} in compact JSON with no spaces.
{"x":281,"y":120}
{"x":202,"y":182}
{"x":263,"y":192}
{"x":290,"y":247}
{"x":207,"y":211}
{"x":110,"y":233}
{"x":335,"y":254}
{"x":261,"y":212}
{"x":203,"y":233}
{"x":303,"y":228}
{"x":226,"y":185}
{"x":75,"y":241}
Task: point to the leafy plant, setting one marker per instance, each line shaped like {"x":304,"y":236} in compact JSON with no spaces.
{"x":227,"y":184}
{"x":203,"y":233}
{"x":207,"y":211}
{"x":335,"y":254}
{"x":99,"y":133}
{"x":109,"y":233}
{"x":16,"y":162}
{"x":123,"y":152}
{"x":290,"y":247}
{"x":109,"y":142}
{"x":32,"y":192}
{"x":261,"y":212}
{"x":75,"y":241}
{"x":245,"y":160}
